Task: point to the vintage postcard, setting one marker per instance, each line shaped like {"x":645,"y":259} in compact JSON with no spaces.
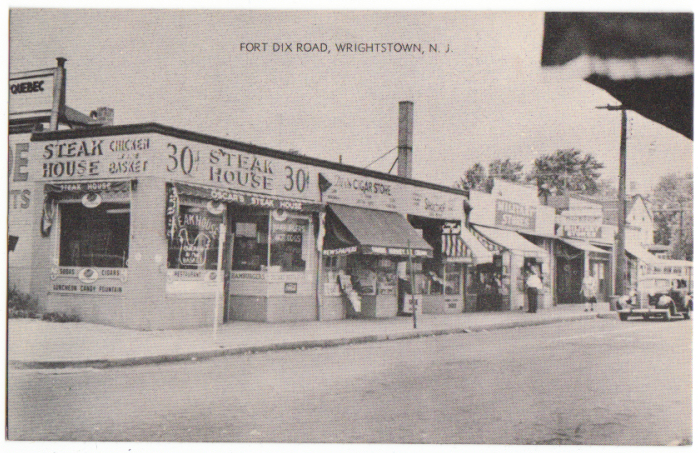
{"x":349,"y":227}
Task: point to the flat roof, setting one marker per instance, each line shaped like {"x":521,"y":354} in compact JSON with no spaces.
{"x":157,"y":128}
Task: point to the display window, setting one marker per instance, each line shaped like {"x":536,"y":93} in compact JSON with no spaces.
{"x":94,"y":236}
{"x":193,"y":236}
{"x":270,"y":240}
{"x":288,"y":247}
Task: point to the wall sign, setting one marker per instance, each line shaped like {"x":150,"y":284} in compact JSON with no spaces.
{"x":232,"y":169}
{"x":582,"y":223}
{"x":515,"y":215}
{"x":90,"y":158}
{"x":195,"y":281}
{"x":87,"y":280}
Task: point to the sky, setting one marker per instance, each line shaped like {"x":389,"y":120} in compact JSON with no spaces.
{"x":486,"y":98}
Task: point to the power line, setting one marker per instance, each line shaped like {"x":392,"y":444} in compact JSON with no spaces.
{"x":385,"y":154}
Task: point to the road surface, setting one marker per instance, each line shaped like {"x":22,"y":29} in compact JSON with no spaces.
{"x":598,"y":381}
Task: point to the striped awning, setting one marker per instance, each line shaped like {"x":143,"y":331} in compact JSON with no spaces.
{"x":454,"y":249}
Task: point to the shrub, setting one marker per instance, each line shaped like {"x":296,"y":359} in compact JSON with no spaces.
{"x":60,"y":317}
{"x":21,"y":305}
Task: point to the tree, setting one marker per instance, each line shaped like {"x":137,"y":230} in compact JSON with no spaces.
{"x":673,"y":214}
{"x":566,"y":170}
{"x":475,"y":178}
{"x":506,"y":169}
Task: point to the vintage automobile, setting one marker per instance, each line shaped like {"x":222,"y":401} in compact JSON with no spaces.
{"x":664,"y":296}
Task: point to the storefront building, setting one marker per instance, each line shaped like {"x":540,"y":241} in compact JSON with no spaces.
{"x":129,"y":226}
{"x":584,"y":249}
{"x":500,"y":224}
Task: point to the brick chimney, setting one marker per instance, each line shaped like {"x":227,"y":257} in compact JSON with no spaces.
{"x":104,"y":115}
{"x":404,"y":139}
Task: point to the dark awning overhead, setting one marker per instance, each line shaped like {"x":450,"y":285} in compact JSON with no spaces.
{"x":583,"y":245}
{"x":360,"y":230}
{"x":645,"y":60}
{"x":512,"y":241}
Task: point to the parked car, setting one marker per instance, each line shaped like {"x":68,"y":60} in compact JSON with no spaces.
{"x":665,"y":296}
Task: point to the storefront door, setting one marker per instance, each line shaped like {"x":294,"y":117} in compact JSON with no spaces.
{"x":569,"y":280}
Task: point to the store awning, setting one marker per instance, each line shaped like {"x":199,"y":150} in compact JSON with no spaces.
{"x":512,"y":241}
{"x":368,"y":231}
{"x":641,"y":254}
{"x":244,"y":198}
{"x":454,"y":249}
{"x":583,"y":245}
{"x":479,"y":252}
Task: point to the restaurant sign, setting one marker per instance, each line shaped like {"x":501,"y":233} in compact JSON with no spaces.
{"x":94,"y":158}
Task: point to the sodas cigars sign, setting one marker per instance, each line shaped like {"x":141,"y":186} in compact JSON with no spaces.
{"x":96,"y":158}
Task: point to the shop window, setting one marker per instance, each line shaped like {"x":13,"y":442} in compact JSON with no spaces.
{"x":194,"y":244}
{"x":288,"y":242}
{"x":251,"y":247}
{"x":95,"y":237}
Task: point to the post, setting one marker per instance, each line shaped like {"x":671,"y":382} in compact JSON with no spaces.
{"x":619,"y":243}
{"x":621,"y":266}
{"x":412,"y":299}
{"x":58,"y":93}
{"x":682,"y":255}
{"x":219,"y":277}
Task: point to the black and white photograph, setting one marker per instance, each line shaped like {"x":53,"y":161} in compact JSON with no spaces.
{"x":376,"y":227}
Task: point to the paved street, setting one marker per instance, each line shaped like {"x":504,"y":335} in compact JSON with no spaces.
{"x":586,"y":382}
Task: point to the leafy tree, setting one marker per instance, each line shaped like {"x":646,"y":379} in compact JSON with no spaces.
{"x":566,"y":170}
{"x":475,"y":178}
{"x":506,"y":169}
{"x":673,"y":214}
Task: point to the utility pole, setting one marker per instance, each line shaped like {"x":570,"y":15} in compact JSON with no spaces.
{"x":621,"y":264}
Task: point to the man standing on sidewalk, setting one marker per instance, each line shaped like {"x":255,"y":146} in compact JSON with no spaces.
{"x":589,"y":292}
{"x":533,"y":285}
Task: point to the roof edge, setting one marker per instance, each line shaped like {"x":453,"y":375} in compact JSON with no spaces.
{"x":143,"y":128}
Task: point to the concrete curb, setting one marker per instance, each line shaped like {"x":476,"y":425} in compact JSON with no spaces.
{"x":293,"y":345}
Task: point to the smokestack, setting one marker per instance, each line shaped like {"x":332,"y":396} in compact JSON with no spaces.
{"x":404,"y":139}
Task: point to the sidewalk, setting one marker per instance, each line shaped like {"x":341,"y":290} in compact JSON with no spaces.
{"x":39,"y":344}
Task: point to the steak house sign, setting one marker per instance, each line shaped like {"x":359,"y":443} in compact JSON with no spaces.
{"x":241,"y":177}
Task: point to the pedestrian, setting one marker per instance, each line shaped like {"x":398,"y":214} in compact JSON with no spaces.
{"x":588,"y":291}
{"x":533,"y":286}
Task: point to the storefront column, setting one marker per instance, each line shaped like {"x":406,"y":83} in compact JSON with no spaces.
{"x":586,"y":264}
